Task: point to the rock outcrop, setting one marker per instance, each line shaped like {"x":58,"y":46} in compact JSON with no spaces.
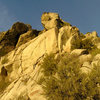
{"x":9,"y":39}
{"x":52,"y":20}
{"x":26,"y":49}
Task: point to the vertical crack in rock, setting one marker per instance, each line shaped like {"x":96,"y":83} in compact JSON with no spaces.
{"x":15,"y":52}
{"x":38,"y":60}
{"x":21,"y":63}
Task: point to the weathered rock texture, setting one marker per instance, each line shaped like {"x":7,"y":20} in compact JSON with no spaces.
{"x":29,"y":35}
{"x":23,"y":62}
{"x":52,"y":20}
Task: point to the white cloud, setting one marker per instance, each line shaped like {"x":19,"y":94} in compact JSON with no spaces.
{"x":6,"y":19}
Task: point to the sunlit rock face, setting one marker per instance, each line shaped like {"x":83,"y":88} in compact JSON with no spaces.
{"x":67,"y":33}
{"x":25,"y":59}
{"x":51,"y":20}
{"x":29,"y":47}
{"x":92,"y":34}
{"x":67,"y":37}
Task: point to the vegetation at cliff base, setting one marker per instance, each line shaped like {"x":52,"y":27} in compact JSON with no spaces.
{"x":62,"y":79}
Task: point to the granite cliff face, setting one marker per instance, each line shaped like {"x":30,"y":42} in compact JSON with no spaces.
{"x":22,"y":50}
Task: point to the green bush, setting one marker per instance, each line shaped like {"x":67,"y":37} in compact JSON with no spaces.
{"x":94,"y":82}
{"x":87,"y":44}
{"x":65,"y":81}
{"x":84,"y":44}
{"x":49,"y":65}
{"x":82,"y":36}
{"x":95,"y":51}
{"x":76,"y":44}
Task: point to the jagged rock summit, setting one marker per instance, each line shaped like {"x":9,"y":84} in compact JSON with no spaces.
{"x":22,"y":50}
{"x":11,"y":38}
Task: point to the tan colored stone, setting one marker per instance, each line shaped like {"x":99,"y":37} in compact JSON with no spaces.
{"x":97,"y":57}
{"x":24,"y":57}
{"x":98,"y":45}
{"x":84,"y":58}
{"x":52,"y":20}
{"x":91,"y":34}
{"x":49,"y":20}
{"x":79,"y":52}
{"x":24,"y":87}
{"x":85,"y":70}
{"x":66,"y":37}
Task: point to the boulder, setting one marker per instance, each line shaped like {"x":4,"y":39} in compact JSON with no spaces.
{"x":91,"y":34}
{"x":93,"y":37}
{"x":85,"y":57}
{"x":96,"y":60}
{"x":85,"y":70}
{"x":87,"y":64}
{"x":94,"y":34}
{"x":79,"y":52}
{"x":98,"y":45}
{"x":87,"y":67}
{"x":97,"y":57}
{"x":95,"y":63}
{"x":52,"y":20}
{"x":49,"y":20}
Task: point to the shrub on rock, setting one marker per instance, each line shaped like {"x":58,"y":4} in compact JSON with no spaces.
{"x":63,"y":80}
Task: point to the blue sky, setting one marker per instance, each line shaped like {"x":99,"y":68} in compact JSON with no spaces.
{"x":85,"y":14}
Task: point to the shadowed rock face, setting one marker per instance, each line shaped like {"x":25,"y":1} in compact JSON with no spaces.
{"x":9,"y":39}
{"x":29,"y":35}
{"x":3,"y":71}
{"x":19,"y":28}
